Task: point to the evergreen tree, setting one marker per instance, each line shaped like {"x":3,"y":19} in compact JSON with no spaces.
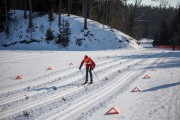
{"x":163,"y":34}
{"x":64,"y":36}
{"x":176,"y":36}
{"x":50,"y":15}
{"x":49,"y":35}
{"x":156,"y":39}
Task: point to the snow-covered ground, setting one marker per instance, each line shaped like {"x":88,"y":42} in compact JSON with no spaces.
{"x":118,"y":71}
{"x":121,"y":65}
{"x":146,"y":43}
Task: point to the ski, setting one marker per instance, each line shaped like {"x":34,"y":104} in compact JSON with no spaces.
{"x":85,"y":84}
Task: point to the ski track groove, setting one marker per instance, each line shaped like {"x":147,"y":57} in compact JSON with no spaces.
{"x":29,"y":94}
{"x":80,"y":77}
{"x":158,"y":62}
{"x":173,"y":98}
{"x":22,"y":96}
{"x":54,"y":97}
{"x":63,"y":75}
{"x":92,"y":98}
{"x":29,"y":82}
{"x":24,"y":56}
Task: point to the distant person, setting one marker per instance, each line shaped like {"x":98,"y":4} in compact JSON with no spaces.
{"x":174,"y":44}
{"x":90,"y":65}
{"x":173,"y":47}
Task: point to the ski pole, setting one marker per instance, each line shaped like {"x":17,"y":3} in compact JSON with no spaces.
{"x":96,"y":75}
{"x":82,"y":74}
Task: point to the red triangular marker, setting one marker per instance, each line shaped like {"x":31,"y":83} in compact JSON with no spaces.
{"x":49,"y":68}
{"x":153,"y":69}
{"x":136,"y":89}
{"x":146,"y":77}
{"x":19,"y":77}
{"x":161,"y":62}
{"x":114,"y":110}
{"x":70,"y":63}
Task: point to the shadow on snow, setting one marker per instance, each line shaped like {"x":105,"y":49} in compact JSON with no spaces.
{"x":162,"y":87}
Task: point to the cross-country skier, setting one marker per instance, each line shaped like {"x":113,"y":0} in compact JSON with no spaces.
{"x":90,"y":65}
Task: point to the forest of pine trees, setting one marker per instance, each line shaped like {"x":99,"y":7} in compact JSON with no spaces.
{"x":133,"y":19}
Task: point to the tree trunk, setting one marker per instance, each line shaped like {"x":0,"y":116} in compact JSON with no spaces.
{"x":83,"y":11}
{"x":90,"y":9}
{"x":30,"y":17}
{"x":30,"y":14}
{"x":111,"y":13}
{"x":125,"y":16}
{"x":106,"y":12}
{"x":7,"y":19}
{"x":85,"y":14}
{"x":25,"y":9}
{"x":59,"y":21}
{"x":69,"y":7}
{"x":14,"y":6}
{"x":132,"y":17}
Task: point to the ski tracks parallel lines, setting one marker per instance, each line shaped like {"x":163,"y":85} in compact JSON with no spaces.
{"x":85,"y":102}
{"x":20,"y":96}
{"x":89,"y":98}
{"x":45,"y":100}
{"x":8,"y":113}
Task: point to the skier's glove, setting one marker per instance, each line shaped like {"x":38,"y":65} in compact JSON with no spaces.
{"x":79,"y":67}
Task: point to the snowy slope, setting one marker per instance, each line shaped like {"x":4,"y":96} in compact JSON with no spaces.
{"x":118,"y":71}
{"x":100,"y":37}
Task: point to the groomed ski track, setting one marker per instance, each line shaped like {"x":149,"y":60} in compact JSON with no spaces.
{"x":69,"y":99}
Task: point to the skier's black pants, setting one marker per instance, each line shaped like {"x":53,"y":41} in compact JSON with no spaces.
{"x":90,"y":72}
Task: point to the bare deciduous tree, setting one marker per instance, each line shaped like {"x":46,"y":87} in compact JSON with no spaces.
{"x":163,"y":3}
{"x":133,"y":17}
